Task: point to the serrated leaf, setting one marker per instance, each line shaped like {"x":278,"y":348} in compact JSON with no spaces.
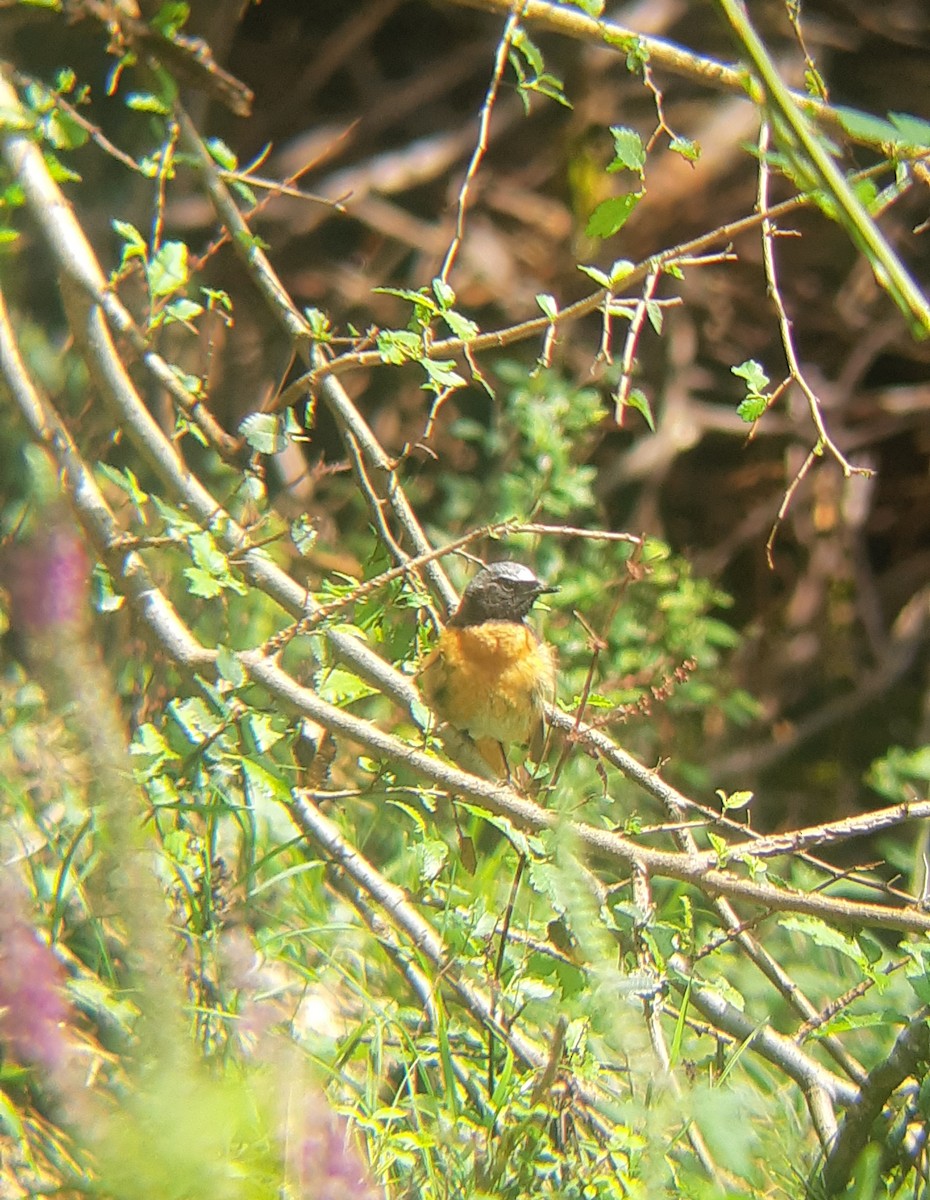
{"x":201,"y":583}
{"x":442,"y":374}
{"x":261,"y":784}
{"x":688,"y":149}
{"x":443,"y":293}
{"x":168,"y":271}
{"x":431,"y":856}
{"x":398,"y":346}
{"x":229,"y":666}
{"x":304,"y":533}
{"x":264,"y":432}
{"x":753,"y":373}
{"x":462,"y":327}
{"x":629,"y":151}
{"x":751,"y":408}
{"x":611,"y":215}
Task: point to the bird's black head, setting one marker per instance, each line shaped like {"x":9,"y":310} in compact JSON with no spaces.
{"x":504,"y":591}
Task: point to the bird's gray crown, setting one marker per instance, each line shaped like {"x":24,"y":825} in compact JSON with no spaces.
{"x":502,"y":591}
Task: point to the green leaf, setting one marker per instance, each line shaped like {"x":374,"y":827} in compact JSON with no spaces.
{"x":750,"y":370}
{"x":202,"y":583}
{"x":611,"y":215}
{"x":229,"y":666}
{"x":63,"y":131}
{"x":443,"y":293}
{"x":912,"y":130}
{"x":461,"y":326}
{"x":430,"y":856}
{"x":629,"y":151}
{"x":442,"y":374}
{"x":304,"y":533}
{"x":752,"y":408}
{"x":105,"y":597}
{"x":132,"y":237}
{"x":170,"y":18}
{"x":687,"y":148}
{"x":221,"y":154}
{"x":147,"y":102}
{"x":168,"y":270}
{"x":638,"y":400}
{"x":826,"y":936}
{"x":180,"y":312}
{"x":341,"y":687}
{"x":128,"y":483}
{"x":265,"y":432}
{"x":597,"y":275}
{"x":399,"y":346}
{"x":262,"y":784}
{"x":548,"y":305}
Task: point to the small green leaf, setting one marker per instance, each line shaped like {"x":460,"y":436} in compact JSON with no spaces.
{"x":168,"y":270}
{"x":304,"y":533}
{"x":752,"y":408}
{"x":629,"y":151}
{"x":865,"y":126}
{"x":221,"y":154}
{"x":399,"y":346}
{"x":597,"y":275}
{"x":910,"y":129}
{"x":733,"y":800}
{"x":548,"y":305}
{"x":611,"y":215}
{"x":229,"y":666}
{"x":687,"y":148}
{"x":170,"y":18}
{"x":147,"y":102}
{"x":265,"y":432}
{"x":750,"y":370}
{"x":179,"y":312}
{"x":202,"y":584}
{"x":320,"y":324}
{"x":105,"y":597}
{"x":461,"y":326}
{"x":131,"y":236}
{"x":638,"y":400}
{"x":443,"y":293}
{"x":619,"y":271}
{"x":442,"y":374}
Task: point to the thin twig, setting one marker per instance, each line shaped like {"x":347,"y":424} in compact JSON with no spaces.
{"x":481,"y":146}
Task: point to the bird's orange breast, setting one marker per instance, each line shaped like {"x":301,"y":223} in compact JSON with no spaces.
{"x":490,"y":680}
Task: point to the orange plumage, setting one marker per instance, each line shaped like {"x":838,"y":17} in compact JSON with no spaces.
{"x":489,"y":675}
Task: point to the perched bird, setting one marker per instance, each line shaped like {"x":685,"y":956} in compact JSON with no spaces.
{"x":489,"y":674}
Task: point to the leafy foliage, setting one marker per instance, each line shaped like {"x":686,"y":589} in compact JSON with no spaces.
{"x":571,"y":981}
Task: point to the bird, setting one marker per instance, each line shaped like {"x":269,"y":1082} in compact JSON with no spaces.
{"x":489,"y":675}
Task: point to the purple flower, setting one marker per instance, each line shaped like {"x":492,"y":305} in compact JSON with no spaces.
{"x":33,"y":1007}
{"x":47,"y":579}
{"x":323,"y":1160}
